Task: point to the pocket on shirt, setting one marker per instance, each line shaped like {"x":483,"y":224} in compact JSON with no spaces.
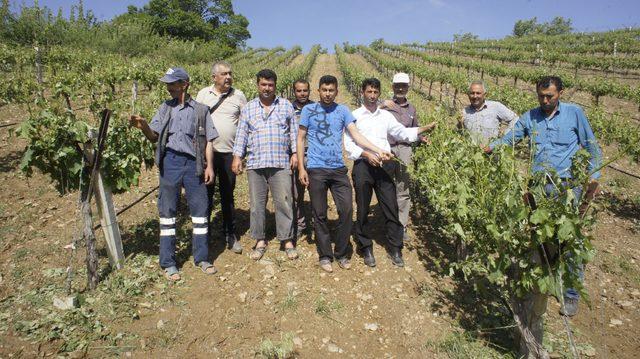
{"x":565,"y":136}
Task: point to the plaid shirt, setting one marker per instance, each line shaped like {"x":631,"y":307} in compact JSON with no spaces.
{"x":267,"y":139}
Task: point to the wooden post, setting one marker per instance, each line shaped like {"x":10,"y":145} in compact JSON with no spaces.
{"x":38,"y":66}
{"x":109,"y":222}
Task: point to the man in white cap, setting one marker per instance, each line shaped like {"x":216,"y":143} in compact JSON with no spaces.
{"x":405,"y":113}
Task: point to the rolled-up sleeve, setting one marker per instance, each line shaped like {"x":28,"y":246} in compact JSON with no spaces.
{"x":242,"y":134}
{"x":399,"y":132}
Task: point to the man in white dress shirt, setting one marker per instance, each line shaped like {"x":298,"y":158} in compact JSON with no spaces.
{"x":370,"y":173}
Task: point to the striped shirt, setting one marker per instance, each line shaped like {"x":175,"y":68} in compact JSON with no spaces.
{"x":267,"y":139}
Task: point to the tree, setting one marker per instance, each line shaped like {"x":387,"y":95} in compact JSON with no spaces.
{"x":557,"y":26}
{"x":195,"y":19}
{"x":467,"y":36}
{"x":526,"y":27}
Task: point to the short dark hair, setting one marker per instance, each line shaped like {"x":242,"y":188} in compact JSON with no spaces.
{"x":328,"y":80}
{"x":372,"y":81}
{"x":301,"y":81}
{"x":266,"y":74}
{"x":547,"y":81}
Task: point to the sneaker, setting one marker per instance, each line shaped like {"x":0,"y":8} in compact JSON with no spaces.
{"x":344,"y":263}
{"x":325,"y":264}
{"x":570,"y":307}
{"x":233,"y":244}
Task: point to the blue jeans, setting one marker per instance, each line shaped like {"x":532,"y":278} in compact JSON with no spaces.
{"x":180,"y":171}
{"x":551,"y":190}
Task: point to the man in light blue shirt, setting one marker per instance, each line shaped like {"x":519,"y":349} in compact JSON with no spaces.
{"x":557,"y":131}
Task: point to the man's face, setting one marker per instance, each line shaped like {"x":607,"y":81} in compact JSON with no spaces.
{"x":301,"y":92}
{"x":176,"y":89}
{"x":266,"y":88}
{"x":328,"y":93}
{"x":223,"y":78}
{"x":548,"y":98}
{"x":476,"y":95}
{"x":400,"y":90}
{"x":370,"y":95}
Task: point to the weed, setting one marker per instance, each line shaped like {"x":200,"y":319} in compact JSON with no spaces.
{"x":462,"y":346}
{"x":277,"y":350}
{"x":290,"y":301}
{"x":324,"y":307}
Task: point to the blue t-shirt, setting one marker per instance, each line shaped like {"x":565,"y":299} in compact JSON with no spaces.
{"x":325,"y":126}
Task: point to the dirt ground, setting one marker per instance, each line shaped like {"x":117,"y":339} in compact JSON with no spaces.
{"x":386,"y":312}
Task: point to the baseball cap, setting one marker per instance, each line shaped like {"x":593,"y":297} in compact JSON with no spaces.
{"x":400,"y":78}
{"x":174,"y":74}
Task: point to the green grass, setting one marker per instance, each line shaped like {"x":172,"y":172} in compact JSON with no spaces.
{"x":277,"y":350}
{"x":325,"y":308}
{"x":290,"y":302}
{"x":463,"y":346}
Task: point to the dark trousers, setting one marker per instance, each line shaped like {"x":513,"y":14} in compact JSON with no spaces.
{"x":299,"y":212}
{"x":179,"y":170}
{"x":226,"y":180}
{"x":336,"y":181}
{"x":366,"y":179}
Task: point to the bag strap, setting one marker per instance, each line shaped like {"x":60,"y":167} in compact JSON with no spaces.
{"x":222,"y":98}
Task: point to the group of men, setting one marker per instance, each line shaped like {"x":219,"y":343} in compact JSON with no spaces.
{"x":289,"y":146}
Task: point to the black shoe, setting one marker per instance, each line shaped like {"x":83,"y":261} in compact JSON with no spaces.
{"x":396,"y":257}
{"x":570,"y":307}
{"x":369,"y":259}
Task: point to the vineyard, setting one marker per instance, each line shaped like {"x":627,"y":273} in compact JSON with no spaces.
{"x":443,"y":304}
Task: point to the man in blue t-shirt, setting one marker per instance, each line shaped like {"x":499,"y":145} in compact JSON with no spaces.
{"x":322,"y":124}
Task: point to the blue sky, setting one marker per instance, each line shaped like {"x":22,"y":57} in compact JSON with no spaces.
{"x":327,"y":22}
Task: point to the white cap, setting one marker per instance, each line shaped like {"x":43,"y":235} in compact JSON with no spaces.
{"x":400,"y":78}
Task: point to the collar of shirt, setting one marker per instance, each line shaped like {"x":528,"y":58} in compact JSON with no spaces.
{"x":366,"y":111}
{"x":214,"y":91}
{"x":405,"y":104}
{"x":484,"y":105}
{"x":188,"y":101}
{"x":298,"y":106}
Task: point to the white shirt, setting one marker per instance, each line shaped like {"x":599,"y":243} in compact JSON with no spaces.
{"x":376,"y":127}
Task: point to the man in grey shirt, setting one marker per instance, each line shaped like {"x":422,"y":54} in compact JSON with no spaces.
{"x":482,"y":118}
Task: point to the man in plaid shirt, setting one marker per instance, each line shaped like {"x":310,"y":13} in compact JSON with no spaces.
{"x":266,"y":136}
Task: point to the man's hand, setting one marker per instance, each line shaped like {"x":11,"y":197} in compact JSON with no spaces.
{"x":372,"y":158}
{"x":385,"y":156}
{"x":303,"y":177}
{"x":460,"y":124}
{"x":236,"y":165}
{"x":293,"y":161}
{"x":137,"y":122}
{"x":208,"y":175}
{"x":425,"y":140}
{"x":387,"y":104}
{"x":487,"y":149}
{"x":431,"y":126}
{"x":590,"y":193}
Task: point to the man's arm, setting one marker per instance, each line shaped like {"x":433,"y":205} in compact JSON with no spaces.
{"x":519,"y":131}
{"x":408,"y":134}
{"x":140,"y":123}
{"x":355,"y":143}
{"x":588,"y":141}
{"x":208,"y":172}
{"x":302,"y":171}
{"x":505,"y":115}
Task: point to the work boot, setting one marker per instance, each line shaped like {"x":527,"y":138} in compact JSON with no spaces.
{"x":369,"y":259}
{"x":396,"y":257}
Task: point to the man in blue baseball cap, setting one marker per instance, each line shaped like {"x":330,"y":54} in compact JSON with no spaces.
{"x":184,"y":131}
